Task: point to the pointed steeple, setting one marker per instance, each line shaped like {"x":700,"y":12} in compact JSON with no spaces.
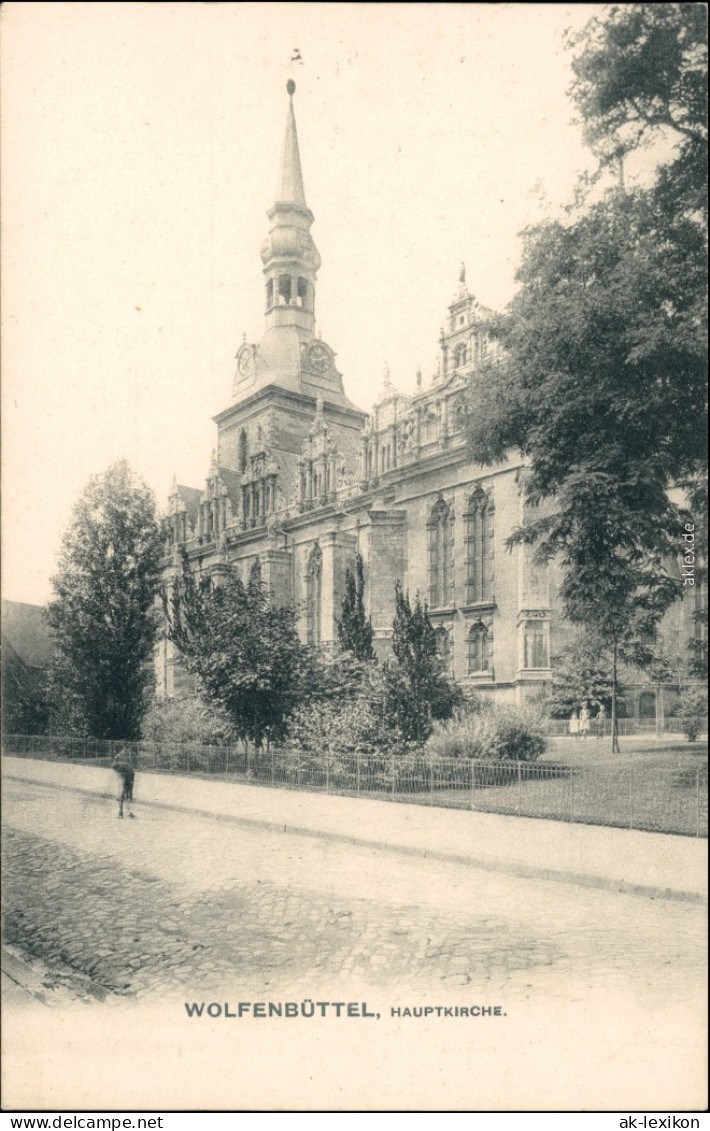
{"x":290,"y":187}
{"x":289,"y":255}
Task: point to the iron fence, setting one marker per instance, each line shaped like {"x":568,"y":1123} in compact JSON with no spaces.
{"x":638,"y":797}
{"x":628,"y":728}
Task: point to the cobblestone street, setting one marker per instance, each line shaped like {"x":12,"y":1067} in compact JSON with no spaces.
{"x":175,"y":901}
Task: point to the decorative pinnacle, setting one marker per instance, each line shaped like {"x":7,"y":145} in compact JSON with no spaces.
{"x":291,"y":87}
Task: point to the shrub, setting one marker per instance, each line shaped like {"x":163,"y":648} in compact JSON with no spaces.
{"x":187,"y":719}
{"x":693,"y":711}
{"x":331,"y":731}
{"x":497,"y":733}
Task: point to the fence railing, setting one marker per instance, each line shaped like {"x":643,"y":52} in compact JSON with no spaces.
{"x":639,"y":797}
{"x":559,"y":728}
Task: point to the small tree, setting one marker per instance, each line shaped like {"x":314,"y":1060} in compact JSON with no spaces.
{"x":416,"y":689}
{"x":354,"y":626}
{"x":103,"y":615}
{"x":245,"y":651}
{"x":582,"y":673}
{"x":694,"y":710}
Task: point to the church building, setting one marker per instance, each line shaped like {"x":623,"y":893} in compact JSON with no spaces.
{"x":305,"y":480}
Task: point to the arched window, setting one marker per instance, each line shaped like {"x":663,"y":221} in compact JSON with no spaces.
{"x":440,"y":530}
{"x":302,"y":292}
{"x":443,"y":648}
{"x":478,"y":521}
{"x":480,"y":648}
{"x":270,"y":294}
{"x":314,"y":595}
{"x":460,"y":356}
{"x":242,"y":451}
{"x":536,"y":644}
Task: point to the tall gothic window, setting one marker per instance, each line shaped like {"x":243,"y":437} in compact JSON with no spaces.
{"x":242,"y":451}
{"x":479,"y":548}
{"x":536,"y":644}
{"x":440,"y":530}
{"x":314,"y":595}
{"x":460,"y":356}
{"x":480,"y":649}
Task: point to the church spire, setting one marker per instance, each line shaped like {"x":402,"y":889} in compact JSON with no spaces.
{"x":290,"y":187}
{"x":289,"y":255}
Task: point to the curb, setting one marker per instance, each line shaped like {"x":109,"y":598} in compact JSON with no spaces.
{"x":485,"y":863}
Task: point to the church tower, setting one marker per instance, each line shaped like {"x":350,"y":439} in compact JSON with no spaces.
{"x":281,"y":379}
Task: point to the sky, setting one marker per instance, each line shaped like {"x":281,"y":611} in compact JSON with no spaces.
{"x":140,"y":153}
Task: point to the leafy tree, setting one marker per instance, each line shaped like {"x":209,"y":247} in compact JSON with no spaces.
{"x":582,"y":673}
{"x":334,"y":675}
{"x":245,"y":651}
{"x":603,"y":358}
{"x":416,"y":689}
{"x":618,"y":573}
{"x":103,"y":616}
{"x":640,"y":79}
{"x":354,"y":626}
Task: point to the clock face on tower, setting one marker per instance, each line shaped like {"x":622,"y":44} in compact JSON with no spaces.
{"x":319,"y":357}
{"x":245,"y":361}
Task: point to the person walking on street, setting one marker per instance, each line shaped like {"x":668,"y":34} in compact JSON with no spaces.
{"x":601,"y":720}
{"x":574,"y":724}
{"x":124,"y":765}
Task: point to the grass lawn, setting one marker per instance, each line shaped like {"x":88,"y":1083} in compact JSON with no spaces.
{"x":639,"y":752}
{"x":658,"y":785}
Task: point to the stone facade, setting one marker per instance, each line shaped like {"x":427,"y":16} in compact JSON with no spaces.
{"x":305,"y":480}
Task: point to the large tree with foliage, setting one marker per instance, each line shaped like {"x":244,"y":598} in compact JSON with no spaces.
{"x":600,"y":380}
{"x":416,"y":689}
{"x":354,"y":626}
{"x":244,"y":650}
{"x":581,"y":674}
{"x":103,"y":615}
{"x":641,"y":79}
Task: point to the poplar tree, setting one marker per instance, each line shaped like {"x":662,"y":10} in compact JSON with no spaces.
{"x":416,"y":689}
{"x":104,"y":616}
{"x":354,"y":626}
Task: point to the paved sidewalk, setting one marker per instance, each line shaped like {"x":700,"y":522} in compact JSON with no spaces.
{"x":642,"y":863}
